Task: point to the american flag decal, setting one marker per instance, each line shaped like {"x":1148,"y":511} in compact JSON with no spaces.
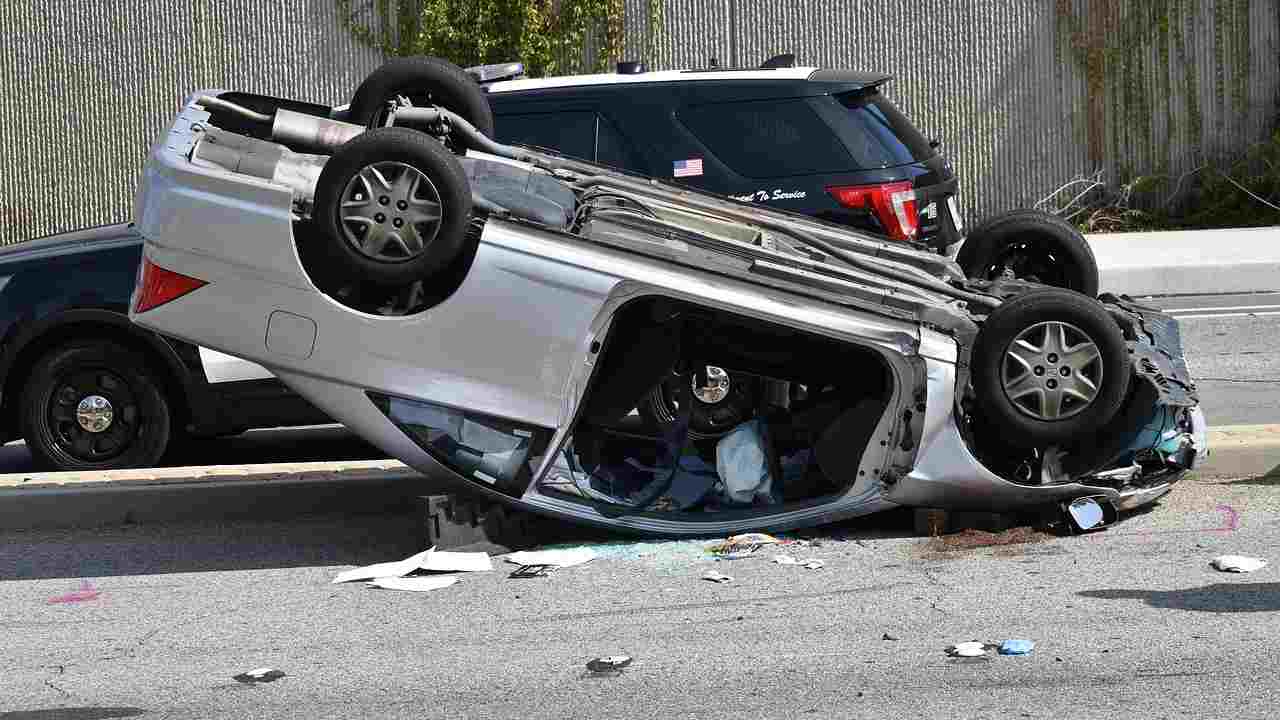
{"x":687,"y":168}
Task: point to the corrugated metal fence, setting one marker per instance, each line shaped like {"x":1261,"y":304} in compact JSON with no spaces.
{"x":88,"y":84}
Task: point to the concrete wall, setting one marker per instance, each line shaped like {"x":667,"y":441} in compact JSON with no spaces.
{"x":89,"y":83}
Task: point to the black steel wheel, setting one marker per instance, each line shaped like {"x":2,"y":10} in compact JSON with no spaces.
{"x":95,"y":406}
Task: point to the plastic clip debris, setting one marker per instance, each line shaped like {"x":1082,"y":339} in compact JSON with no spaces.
{"x":717,"y":577}
{"x":611,"y":664}
{"x":259,"y":675}
{"x":1237,"y":563}
{"x":1017,"y":647}
{"x":532,"y":571}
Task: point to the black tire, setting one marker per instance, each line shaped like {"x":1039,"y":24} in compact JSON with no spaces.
{"x":424,"y":80}
{"x":707,"y":421}
{"x":398,"y":264}
{"x":994,"y":369}
{"x":139,"y":432}
{"x":1035,"y":245}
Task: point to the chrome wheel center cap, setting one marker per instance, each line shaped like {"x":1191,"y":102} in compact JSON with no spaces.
{"x":94,"y":413}
{"x":715,"y":387}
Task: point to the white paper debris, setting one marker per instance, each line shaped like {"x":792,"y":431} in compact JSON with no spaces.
{"x":437,"y":561}
{"x":422,"y":583}
{"x":967,"y":649}
{"x":1237,"y":563}
{"x":382,"y":570}
{"x":813,"y":565}
{"x":558,"y":558}
{"x":717,"y":577}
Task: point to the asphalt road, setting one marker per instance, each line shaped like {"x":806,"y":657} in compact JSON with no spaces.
{"x":1231,"y":348}
{"x":1131,"y":622}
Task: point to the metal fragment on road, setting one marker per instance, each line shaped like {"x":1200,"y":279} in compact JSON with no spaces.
{"x":717,"y":577}
{"x":609,"y":664}
{"x":259,"y":675}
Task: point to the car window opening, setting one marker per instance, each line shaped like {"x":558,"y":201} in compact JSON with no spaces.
{"x":694,"y":410}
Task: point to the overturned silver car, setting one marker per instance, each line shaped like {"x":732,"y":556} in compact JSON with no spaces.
{"x":609,"y":349}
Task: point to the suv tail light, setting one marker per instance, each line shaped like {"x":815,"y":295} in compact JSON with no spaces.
{"x":894,"y":205}
{"x":157,"y":286}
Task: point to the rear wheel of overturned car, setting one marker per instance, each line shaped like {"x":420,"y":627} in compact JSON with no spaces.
{"x":423,"y":81}
{"x":1030,"y":245}
{"x":95,"y":405}
{"x":392,"y":206}
{"x":1049,"y":367}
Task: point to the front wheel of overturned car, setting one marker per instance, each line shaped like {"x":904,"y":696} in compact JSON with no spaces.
{"x":1030,"y":245}
{"x":95,"y":405}
{"x":392,"y":207}
{"x":1049,"y":367}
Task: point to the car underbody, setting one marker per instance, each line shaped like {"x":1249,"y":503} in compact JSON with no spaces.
{"x":612,"y":350}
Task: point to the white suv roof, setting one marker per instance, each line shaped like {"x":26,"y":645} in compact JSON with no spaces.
{"x":791,"y":73}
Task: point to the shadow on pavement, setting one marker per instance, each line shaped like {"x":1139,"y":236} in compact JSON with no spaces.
{"x":73,"y":713}
{"x":206,"y":547}
{"x":1219,"y":597}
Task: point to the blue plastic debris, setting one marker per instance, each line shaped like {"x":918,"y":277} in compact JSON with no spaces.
{"x":1016,"y":647}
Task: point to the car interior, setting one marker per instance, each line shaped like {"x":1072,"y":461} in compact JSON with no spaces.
{"x":691,"y":409}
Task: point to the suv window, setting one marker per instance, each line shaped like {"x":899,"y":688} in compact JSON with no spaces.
{"x":614,"y":150}
{"x":771,"y":138}
{"x":569,"y":133}
{"x":877,"y":133}
{"x":581,"y":134}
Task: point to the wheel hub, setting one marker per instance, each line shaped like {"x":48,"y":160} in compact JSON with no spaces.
{"x":1052,"y":371}
{"x":390,"y":211}
{"x":94,"y":413}
{"x":711,"y":386}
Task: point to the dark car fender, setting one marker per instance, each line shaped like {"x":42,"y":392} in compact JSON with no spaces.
{"x":27,"y":340}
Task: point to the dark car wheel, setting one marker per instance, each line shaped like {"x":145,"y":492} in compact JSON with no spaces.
{"x":1049,"y":367}
{"x":1030,"y":245}
{"x":95,"y":406}
{"x":392,"y":207}
{"x":721,"y":401}
{"x":424,"y":81}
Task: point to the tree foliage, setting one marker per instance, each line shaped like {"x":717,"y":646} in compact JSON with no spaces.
{"x":551,"y":37}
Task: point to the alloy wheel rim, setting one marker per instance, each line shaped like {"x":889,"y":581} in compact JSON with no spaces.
{"x":1052,"y":371}
{"x":390,"y":212}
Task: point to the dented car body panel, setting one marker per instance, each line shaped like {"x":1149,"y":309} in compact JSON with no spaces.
{"x":515,"y":361}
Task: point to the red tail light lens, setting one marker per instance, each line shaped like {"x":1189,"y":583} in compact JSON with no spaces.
{"x":157,"y":286}
{"x":894,"y":205}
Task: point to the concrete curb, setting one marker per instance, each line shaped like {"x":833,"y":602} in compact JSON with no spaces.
{"x":1192,"y":262}
{"x":1243,"y":451}
{"x":236,"y":492}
